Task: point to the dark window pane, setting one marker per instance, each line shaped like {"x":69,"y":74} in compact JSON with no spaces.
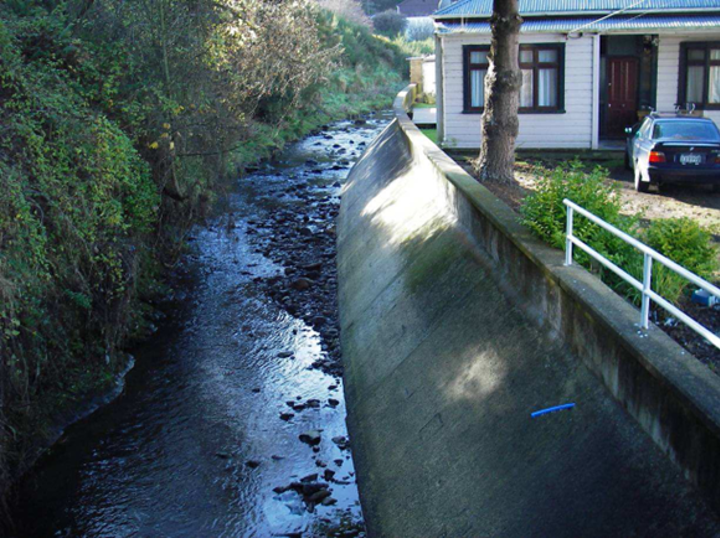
{"x":696,"y":55}
{"x":549,"y":56}
{"x":479,"y":57}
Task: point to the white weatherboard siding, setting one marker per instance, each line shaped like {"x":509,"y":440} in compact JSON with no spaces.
{"x":573,"y":129}
{"x":669,"y":71}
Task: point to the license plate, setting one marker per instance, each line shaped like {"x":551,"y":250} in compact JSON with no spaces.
{"x":690,"y":158}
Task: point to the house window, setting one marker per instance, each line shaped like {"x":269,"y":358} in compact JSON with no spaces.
{"x":700,"y":75}
{"x":542,"y":68}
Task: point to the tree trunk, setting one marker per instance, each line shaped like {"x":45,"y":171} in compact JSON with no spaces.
{"x":502,"y":95}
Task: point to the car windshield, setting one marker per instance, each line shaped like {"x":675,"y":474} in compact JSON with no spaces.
{"x":686,"y":130}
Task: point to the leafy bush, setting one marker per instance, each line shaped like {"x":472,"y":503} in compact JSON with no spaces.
{"x":681,"y":240}
{"x":118,"y":124}
{"x":389,"y":23}
{"x":377,"y":6}
{"x":419,"y":29}
{"x":350,"y":10}
{"x":685,"y":242}
{"x":414,"y":48}
{"x":545,"y":214}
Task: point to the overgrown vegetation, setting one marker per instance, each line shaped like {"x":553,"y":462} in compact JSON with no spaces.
{"x":350,"y":10}
{"x":117,"y":121}
{"x":389,"y":23}
{"x":682,"y":240}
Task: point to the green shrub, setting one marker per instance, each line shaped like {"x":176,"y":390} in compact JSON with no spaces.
{"x":545,"y":214}
{"x":682,"y":240}
{"x":389,"y":23}
{"x":685,"y":242}
{"x":114,"y":137}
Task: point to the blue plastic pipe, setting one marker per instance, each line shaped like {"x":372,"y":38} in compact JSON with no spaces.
{"x":552,"y":409}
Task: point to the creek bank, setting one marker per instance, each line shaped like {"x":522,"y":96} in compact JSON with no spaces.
{"x":207,"y":432}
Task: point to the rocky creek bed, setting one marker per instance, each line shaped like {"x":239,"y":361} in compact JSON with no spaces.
{"x":232,"y":423}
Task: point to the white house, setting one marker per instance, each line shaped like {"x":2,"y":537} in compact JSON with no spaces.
{"x":590,"y":67}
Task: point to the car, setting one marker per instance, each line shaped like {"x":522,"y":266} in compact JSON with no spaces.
{"x":673,"y":148}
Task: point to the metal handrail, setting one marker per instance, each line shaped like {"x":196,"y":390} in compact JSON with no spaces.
{"x":644,"y":287}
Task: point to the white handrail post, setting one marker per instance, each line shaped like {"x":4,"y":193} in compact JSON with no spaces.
{"x":647,"y":286}
{"x":568,"y":237}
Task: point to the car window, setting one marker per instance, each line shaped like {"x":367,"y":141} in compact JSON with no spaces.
{"x":686,"y":130}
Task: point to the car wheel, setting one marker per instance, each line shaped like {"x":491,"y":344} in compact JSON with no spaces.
{"x":628,"y":165}
{"x":640,"y":185}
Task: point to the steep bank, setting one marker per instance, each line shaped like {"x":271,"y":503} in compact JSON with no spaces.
{"x":119,"y":126}
{"x":450,"y":342}
{"x":205,"y":440}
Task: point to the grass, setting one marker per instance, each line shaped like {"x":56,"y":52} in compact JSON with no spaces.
{"x":431,"y":134}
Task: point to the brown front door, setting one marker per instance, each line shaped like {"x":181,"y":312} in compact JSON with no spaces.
{"x":622,"y":77}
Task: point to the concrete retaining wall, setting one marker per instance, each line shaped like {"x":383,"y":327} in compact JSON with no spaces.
{"x":456,"y":324}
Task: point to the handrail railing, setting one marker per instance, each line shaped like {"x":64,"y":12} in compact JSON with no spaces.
{"x":644,"y":287}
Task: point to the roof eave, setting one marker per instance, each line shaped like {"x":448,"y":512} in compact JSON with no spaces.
{"x":486,"y":17}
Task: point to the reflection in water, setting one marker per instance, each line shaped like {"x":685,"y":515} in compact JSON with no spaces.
{"x":196,"y":445}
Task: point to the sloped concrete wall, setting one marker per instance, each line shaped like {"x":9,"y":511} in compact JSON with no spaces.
{"x":456,"y":325}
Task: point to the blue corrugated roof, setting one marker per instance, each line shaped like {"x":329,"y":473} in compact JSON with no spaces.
{"x":483,"y":8}
{"x":588,"y":24}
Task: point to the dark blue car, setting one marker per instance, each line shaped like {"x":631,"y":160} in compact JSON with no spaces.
{"x":674,"y":148}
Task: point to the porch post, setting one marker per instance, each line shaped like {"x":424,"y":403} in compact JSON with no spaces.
{"x":595,"y":91}
{"x":439,"y":90}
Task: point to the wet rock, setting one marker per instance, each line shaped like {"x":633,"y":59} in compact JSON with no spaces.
{"x":302,"y":284}
{"x":285,"y":354}
{"x":328,"y":474}
{"x":253,"y":464}
{"x":223,"y":455}
{"x":341,"y":441}
{"x":332,"y":402}
{"x":312,"y":437}
{"x":286,"y":416}
{"x":319,"y":496}
{"x":313,"y":403}
{"x":256,"y":390}
{"x":315,"y":266}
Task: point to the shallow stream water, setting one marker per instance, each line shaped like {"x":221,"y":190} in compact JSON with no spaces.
{"x":205,"y":439}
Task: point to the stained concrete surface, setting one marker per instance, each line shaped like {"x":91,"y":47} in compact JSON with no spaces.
{"x":443,"y":371}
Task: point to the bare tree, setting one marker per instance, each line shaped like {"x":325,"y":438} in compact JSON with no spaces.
{"x":502,"y":95}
